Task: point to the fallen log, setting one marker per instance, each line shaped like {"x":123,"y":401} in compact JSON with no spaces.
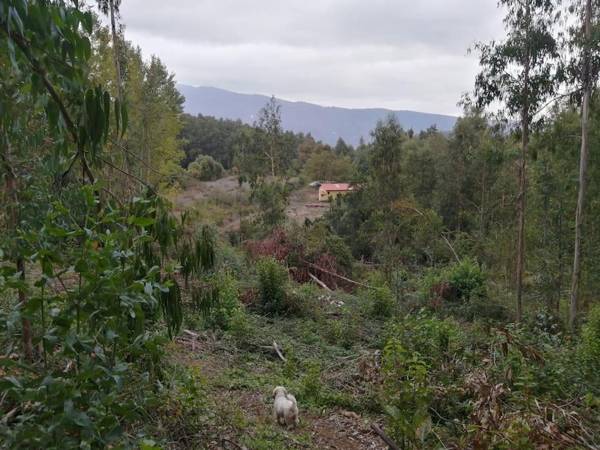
{"x":319,"y":282}
{"x":329,"y":272}
{"x":276,"y":348}
{"x":388,"y":440}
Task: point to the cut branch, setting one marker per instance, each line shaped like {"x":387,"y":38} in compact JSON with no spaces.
{"x":388,"y":440}
{"x":337,"y":275}
{"x":319,"y":282}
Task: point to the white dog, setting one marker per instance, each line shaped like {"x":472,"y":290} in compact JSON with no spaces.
{"x":285,"y":408}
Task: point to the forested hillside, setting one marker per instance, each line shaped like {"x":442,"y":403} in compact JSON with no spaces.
{"x":325,"y":123}
{"x":162,"y":273}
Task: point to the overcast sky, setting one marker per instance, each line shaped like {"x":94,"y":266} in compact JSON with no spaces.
{"x":398,"y":54}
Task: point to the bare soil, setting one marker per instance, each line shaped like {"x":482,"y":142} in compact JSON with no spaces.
{"x":303,"y":204}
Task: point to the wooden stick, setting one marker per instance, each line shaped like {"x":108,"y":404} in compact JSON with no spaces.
{"x":337,"y":275}
{"x":319,"y":282}
{"x":278,"y":351}
{"x":191,"y":333}
{"x":385,"y":437}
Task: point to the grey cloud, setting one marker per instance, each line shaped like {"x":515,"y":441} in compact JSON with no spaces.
{"x":388,"y":53}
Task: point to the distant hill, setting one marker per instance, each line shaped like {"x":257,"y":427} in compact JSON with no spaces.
{"x":325,"y":123}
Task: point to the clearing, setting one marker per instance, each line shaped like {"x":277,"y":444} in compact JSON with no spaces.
{"x":233,"y":375}
{"x":227,"y":196}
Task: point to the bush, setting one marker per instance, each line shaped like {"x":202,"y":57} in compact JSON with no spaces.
{"x":380,"y":299}
{"x":405,"y":393}
{"x":311,"y":384}
{"x":272,"y":279}
{"x":468,"y":279}
{"x":344,"y":332}
{"x":302,"y":301}
{"x":218,"y":302}
{"x":271,"y":199}
{"x":462,"y":281}
{"x":431,"y":337}
{"x":590,"y":341}
{"x":205,"y":168}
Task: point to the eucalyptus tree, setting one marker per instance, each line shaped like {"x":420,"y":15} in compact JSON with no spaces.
{"x":111,"y":8}
{"x":586,"y":43}
{"x":97,"y":280}
{"x":269,"y":126}
{"x":521,"y":72}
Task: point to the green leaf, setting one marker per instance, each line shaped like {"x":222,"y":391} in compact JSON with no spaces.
{"x":141,"y":221}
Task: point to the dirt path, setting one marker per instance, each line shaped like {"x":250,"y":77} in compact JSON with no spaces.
{"x":303,"y":202}
{"x":304,"y":205}
{"x":195,"y":191}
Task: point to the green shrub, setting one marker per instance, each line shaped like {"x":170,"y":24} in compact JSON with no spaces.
{"x":462,"y":281}
{"x":311,"y":385}
{"x":272,"y":280}
{"x":218,"y":302}
{"x":301,"y":301}
{"x":344,"y":332}
{"x":379,"y":297}
{"x":590,"y":341}
{"x":487,"y":310}
{"x":271,"y":199}
{"x":405,"y":393}
{"x":468,"y":279}
{"x":240,"y":326}
{"x":433,"y":338}
{"x":205,"y":168}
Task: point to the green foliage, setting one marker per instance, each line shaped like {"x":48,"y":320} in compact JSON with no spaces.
{"x":464,"y":281}
{"x":272,"y":199}
{"x":432,"y":337}
{"x":170,"y":302}
{"x":468,"y":279}
{"x":90,"y":331}
{"x":218,"y":302}
{"x":311,"y":385}
{"x":590,"y":342}
{"x":197,"y":257}
{"x":327,"y":166}
{"x":205,"y":168}
{"x":272,"y":281}
{"x":302,"y":301}
{"x":344,"y":332}
{"x":318,"y":239}
{"x":205,"y":135}
{"x":380,"y":301}
{"x":405,"y":393}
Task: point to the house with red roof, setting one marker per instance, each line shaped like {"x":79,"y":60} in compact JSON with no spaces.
{"x":329,"y":191}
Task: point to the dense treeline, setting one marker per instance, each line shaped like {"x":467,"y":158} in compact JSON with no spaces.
{"x":229,"y":141}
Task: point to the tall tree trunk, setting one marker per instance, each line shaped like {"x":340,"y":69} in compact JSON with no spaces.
{"x":559,"y":285}
{"x":521,"y":214}
{"x":116,"y":52}
{"x":13,"y":196}
{"x":583,"y":162}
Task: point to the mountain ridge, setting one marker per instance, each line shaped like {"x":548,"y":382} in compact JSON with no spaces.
{"x":325,"y":123}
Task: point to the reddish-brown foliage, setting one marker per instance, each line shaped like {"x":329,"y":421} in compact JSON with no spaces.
{"x":281,"y":247}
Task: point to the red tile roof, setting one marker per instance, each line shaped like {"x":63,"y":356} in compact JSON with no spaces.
{"x":335,"y":187}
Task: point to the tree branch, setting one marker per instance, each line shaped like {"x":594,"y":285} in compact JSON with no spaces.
{"x":136,"y":178}
{"x":37,"y":68}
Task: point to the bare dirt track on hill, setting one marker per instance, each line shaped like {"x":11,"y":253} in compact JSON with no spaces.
{"x":303,"y":203}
